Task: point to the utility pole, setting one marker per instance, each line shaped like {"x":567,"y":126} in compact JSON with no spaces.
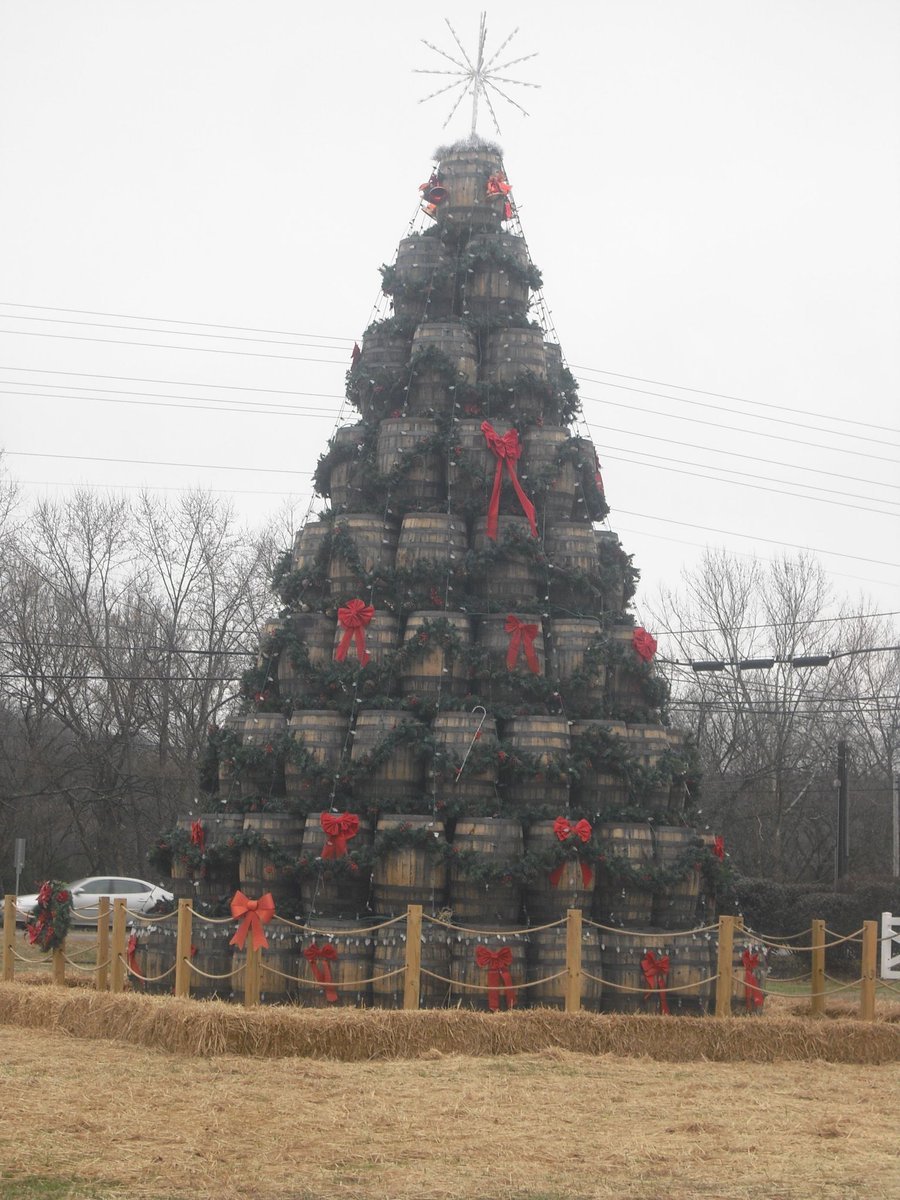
{"x":843,"y":814}
{"x":895,"y":820}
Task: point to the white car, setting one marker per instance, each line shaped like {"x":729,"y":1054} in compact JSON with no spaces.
{"x":139,"y":896}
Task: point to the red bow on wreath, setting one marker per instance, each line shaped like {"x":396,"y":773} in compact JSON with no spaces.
{"x":198,"y":835}
{"x":656,"y":973}
{"x":753,"y":997}
{"x":338,"y":828}
{"x":719,"y":848}
{"x":354,"y":617}
{"x":320,"y":959}
{"x":497,"y":964}
{"x":565,"y":830}
{"x":506,"y":449}
{"x":521,"y":636}
{"x":644,"y":644}
{"x":252,"y":915}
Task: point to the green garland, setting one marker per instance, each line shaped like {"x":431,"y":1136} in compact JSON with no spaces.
{"x":48,"y":925}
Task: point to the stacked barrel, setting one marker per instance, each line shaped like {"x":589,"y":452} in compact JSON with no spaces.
{"x":454,"y":707}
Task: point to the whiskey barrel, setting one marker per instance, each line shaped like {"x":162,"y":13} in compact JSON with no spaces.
{"x":279,"y":967}
{"x":409,"y":874}
{"x":219,"y":879}
{"x":390,"y":956}
{"x":500,"y":844}
{"x":434,"y":670}
{"x":262,"y":733}
{"x":476,"y":789}
{"x":334,"y":891}
{"x":571,"y":637}
{"x":545,"y":741}
{"x":378,"y":380}
{"x":554,"y":359}
{"x":156,"y":959}
{"x":401,"y":442}
{"x":432,"y":538}
{"x":596,"y":787}
{"x":375,"y":540}
{"x":346,"y":475}
{"x":268,"y":863}
{"x":624,"y":683}
{"x":465,"y":969}
{"x":229,"y":787}
{"x":618,"y":900}
{"x":213,"y":966}
{"x":351,"y":966}
{"x":182,"y":871}
{"x":495,"y":283}
{"x":385,"y":349}
{"x":676,"y":906}
{"x":308,"y":543}
{"x":464,"y":172}
{"x":690,"y":964}
{"x":647,"y":744}
{"x":549,"y":901}
{"x":472,"y":467}
{"x":397,"y":781}
{"x":315,"y":632}
{"x":611,"y":564}
{"x":512,"y":578}
{"x":434,"y":387}
{"x":547,"y":956}
{"x":549,"y":482}
{"x":498,"y":684}
{"x":322,"y":735}
{"x":510,"y":354}
{"x":590,"y":498}
{"x":382,"y":639}
{"x":424,"y":279}
{"x":571,"y":549}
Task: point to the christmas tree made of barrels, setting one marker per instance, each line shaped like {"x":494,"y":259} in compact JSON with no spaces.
{"x":455,"y":708}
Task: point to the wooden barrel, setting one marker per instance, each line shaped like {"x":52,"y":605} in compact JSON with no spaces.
{"x":512,"y":578}
{"x":219,"y":878}
{"x":351,"y":967}
{"x":547,"y":956}
{"x":212,"y":962}
{"x":156,"y":959}
{"x":377,"y":381}
{"x":690,"y":963}
{"x":495,"y":283}
{"x":279,"y":967}
{"x":434,"y":387}
{"x":262,"y":733}
{"x":611,"y":555}
{"x":472,"y":465}
{"x":382,"y":639}
{"x":511,"y":354}
{"x":315,"y":632}
{"x":375,"y":539}
{"x":570,"y":639}
{"x":400,"y":778}
{"x":750,"y":975}
{"x":476,"y":789}
{"x":345,"y":477}
{"x":554,"y":359}
{"x":546,"y":900}
{"x":229,"y":786}
{"x":623,"y":681}
{"x":334,"y":892}
{"x":431,"y":538}
{"x":182,"y":871}
{"x":424,"y":283}
{"x":408,"y":874}
{"x":618,"y":900}
{"x":308,"y":543}
{"x":499,"y":843}
{"x":268,"y":865}
{"x":434,"y":670}
{"x":595,"y":787}
{"x":590,"y":497}
{"x":499,"y":684}
{"x":571,"y":548}
{"x":549,"y":482}
{"x":390,"y":956}
{"x":546,"y":741}
{"x":464,"y":172}
{"x":647,"y":744}
{"x":676,"y":907}
{"x":400,"y":442}
{"x":322,"y":735}
{"x":385,"y":348}
{"x":466,"y":970}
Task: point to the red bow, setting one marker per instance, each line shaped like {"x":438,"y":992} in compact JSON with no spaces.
{"x":753,"y":997}
{"x":354,"y":617}
{"x":355,"y":354}
{"x":507,"y":450}
{"x":320,"y":959}
{"x":132,"y":957}
{"x":564,"y":830}
{"x":198,"y":835}
{"x":598,"y":478}
{"x":656,"y":972}
{"x":338,"y":830}
{"x":521,"y":636}
{"x":252,"y":914}
{"x":497,"y":963}
{"x":719,"y":848}
{"x":644,"y":644}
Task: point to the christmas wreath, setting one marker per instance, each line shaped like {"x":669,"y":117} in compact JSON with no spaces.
{"x":49,"y":923}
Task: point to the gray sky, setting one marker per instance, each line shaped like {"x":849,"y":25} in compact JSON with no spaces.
{"x":711,"y":190}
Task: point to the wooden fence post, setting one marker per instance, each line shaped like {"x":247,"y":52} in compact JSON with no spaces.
{"x":817,"y":969}
{"x":725,"y":967}
{"x":9,"y":936}
{"x":869,"y":960}
{"x":101,"y":975}
{"x":119,"y":949}
{"x":412,"y":976}
{"x":59,"y":965}
{"x":183,"y":950}
{"x":573,"y":960}
{"x":251,"y":974}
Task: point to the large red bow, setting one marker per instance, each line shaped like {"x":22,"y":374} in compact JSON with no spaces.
{"x":753,"y":996}
{"x":354,"y":617}
{"x":339,"y":828}
{"x":656,"y":973}
{"x":521,"y":636}
{"x":320,"y":959}
{"x":506,"y":449}
{"x":719,"y":848}
{"x":497,"y":963}
{"x":644,"y":644}
{"x":252,"y":914}
{"x":198,"y":835}
{"x":565,"y":830}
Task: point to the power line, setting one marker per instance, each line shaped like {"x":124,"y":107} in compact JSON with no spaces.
{"x":230,"y":387}
{"x":73,"y":337}
{"x":781,"y":624}
{"x":152,"y":462}
{"x":156,"y":487}
{"x":212,"y":405}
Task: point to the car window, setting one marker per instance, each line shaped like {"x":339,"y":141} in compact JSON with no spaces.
{"x":98,"y":887}
{"x":131,"y":886}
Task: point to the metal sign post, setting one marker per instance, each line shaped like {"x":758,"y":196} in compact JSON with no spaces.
{"x":19,"y":861}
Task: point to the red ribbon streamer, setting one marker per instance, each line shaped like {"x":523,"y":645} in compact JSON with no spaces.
{"x":252,"y":915}
{"x":320,"y":959}
{"x":656,"y":973}
{"x":354,"y":617}
{"x":131,"y":953}
{"x":521,"y":636}
{"x":753,"y":997}
{"x":497,"y":964}
{"x":506,"y":449}
{"x":565,"y":830}
{"x":644,"y":644}
{"x":719,"y":848}
{"x":198,"y":835}
{"x":338,"y":829}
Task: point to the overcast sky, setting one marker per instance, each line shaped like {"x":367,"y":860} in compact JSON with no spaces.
{"x":711,"y":190}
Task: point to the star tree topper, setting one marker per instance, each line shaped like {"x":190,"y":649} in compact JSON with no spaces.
{"x":478,"y":78}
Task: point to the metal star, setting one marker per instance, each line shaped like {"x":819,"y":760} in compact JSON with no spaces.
{"x":478,"y":78}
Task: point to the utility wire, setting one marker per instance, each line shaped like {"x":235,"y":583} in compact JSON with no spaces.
{"x":74,"y":337}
